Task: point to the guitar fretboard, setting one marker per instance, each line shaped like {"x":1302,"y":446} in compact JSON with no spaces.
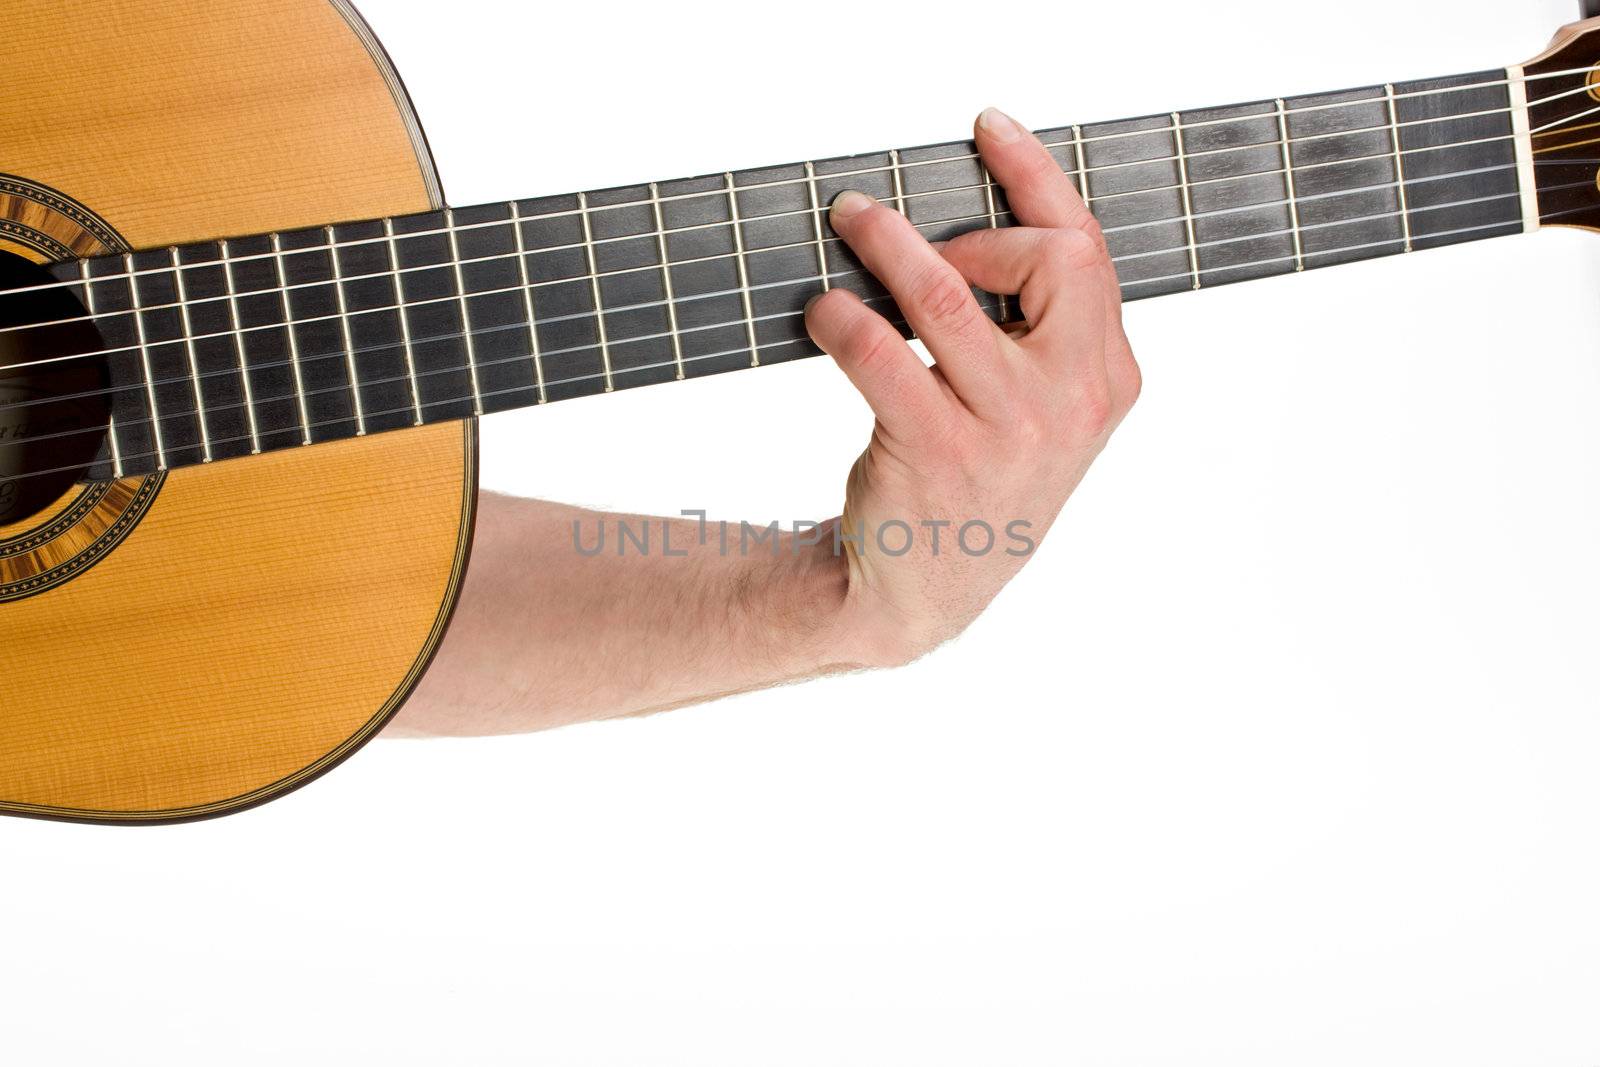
{"x":228,"y":348}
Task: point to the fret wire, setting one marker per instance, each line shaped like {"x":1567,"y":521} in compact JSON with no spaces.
{"x":931,"y":192}
{"x":994,"y":224}
{"x":594,"y":288}
{"x":405,"y":324}
{"x":899,"y":185}
{"x":988,"y":197}
{"x":527,"y":303}
{"x":238,"y":345}
{"x":666,"y":279}
{"x":466,"y":313}
{"x":111,"y":419}
{"x":970,"y":218}
{"x":294,"y":343}
{"x":816,"y":225}
{"x":144,"y":358}
{"x":744,"y":276}
{"x":344,"y":332}
{"x":1188,"y":208}
{"x":1083,"y":172}
{"x":1566,"y":120}
{"x":1399,"y":165}
{"x":194,"y":361}
{"x":1288,"y":181}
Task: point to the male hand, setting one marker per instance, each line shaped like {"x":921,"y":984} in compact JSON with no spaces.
{"x":997,"y":433}
{"x":1002,"y":428}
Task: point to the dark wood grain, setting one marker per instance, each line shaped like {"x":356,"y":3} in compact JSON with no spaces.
{"x":1568,"y":178}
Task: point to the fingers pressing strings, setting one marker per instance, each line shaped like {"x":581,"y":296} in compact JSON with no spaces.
{"x":935,"y":298}
{"x":1057,"y":275}
{"x":906,"y":399}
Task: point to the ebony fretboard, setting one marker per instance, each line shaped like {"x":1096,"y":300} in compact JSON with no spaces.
{"x":223,"y":349}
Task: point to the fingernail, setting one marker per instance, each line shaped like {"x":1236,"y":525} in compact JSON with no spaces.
{"x":999,"y":125}
{"x":850,"y":203}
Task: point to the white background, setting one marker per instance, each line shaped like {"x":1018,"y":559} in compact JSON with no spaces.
{"x":1282,"y":751}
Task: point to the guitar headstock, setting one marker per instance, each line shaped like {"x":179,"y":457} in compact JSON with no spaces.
{"x":1563,"y":94}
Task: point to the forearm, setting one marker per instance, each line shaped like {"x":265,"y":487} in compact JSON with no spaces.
{"x":547,"y":634}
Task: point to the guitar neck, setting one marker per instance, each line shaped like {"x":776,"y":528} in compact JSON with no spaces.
{"x":235,"y":347}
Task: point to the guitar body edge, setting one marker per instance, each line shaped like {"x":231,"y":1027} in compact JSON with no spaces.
{"x":186,"y":646}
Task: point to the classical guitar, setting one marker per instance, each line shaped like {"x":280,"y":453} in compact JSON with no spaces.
{"x":240,"y":332}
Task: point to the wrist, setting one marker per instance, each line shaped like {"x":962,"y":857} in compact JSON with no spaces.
{"x":795,"y":601}
{"x":811,"y":598}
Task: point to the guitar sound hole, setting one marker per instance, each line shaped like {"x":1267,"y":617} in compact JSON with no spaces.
{"x":53,"y":410}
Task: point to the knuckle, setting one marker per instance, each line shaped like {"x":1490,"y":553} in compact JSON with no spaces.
{"x":1092,"y":410}
{"x":1075,"y":248}
{"x":874,"y":347}
{"x":942,"y":296}
{"x":1089,"y":226}
{"x":1042,"y":168}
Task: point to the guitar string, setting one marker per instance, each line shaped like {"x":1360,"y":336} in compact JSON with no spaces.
{"x":721,"y":191}
{"x":343,"y":352}
{"x":344,"y":316}
{"x":601,"y":310}
{"x":740,"y":351}
{"x":590,"y":377}
{"x":522,"y":358}
{"x":1547,"y":127}
{"x":331,"y":250}
{"x":335,"y":247}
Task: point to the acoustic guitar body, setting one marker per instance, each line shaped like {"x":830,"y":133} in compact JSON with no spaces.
{"x":183,"y":645}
